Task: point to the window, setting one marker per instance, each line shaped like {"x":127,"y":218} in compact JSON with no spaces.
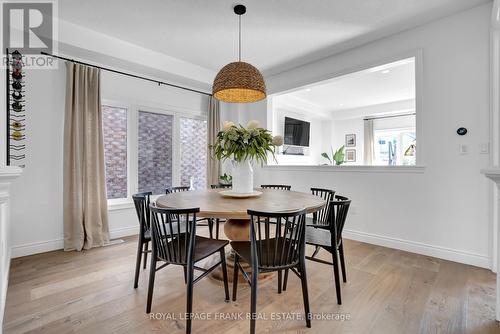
{"x":114,"y":123}
{"x":395,"y":147}
{"x":155,"y":152}
{"x":151,"y":149}
{"x":193,"y":142}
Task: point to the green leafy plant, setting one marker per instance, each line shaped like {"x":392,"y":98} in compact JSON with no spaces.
{"x":240,"y":143}
{"x":226,"y":179}
{"x":338,"y":157}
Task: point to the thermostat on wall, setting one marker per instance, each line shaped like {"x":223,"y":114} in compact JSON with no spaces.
{"x":462,"y":131}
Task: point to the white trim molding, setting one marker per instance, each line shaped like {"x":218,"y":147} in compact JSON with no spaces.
{"x":493,"y":173}
{"x":7,"y":176}
{"x":346,"y":168}
{"x":444,"y":253}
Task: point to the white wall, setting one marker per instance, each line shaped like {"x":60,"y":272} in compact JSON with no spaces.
{"x":442,"y":210}
{"x":37,"y":220}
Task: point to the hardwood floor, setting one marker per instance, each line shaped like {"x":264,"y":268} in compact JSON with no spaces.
{"x":387,"y":291}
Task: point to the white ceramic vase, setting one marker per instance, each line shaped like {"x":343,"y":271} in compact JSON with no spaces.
{"x":242,"y":177}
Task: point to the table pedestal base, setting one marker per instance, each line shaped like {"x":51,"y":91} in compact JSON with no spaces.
{"x":235,"y":230}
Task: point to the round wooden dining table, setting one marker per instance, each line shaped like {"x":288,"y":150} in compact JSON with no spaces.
{"x":234,"y":210}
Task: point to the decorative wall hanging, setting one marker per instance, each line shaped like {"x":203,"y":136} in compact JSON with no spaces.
{"x":350,"y":140}
{"x":239,"y":82}
{"x":16,"y":113}
{"x":350,"y":155}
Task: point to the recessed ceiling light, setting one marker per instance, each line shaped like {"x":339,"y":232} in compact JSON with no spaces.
{"x":308,"y":89}
{"x":385,"y":71}
{"x":341,"y":104}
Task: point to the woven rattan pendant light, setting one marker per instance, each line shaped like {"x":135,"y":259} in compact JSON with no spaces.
{"x":239,"y":82}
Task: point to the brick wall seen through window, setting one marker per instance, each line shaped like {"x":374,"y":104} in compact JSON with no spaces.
{"x":193,"y":141}
{"x":114,"y":121}
{"x":155,"y":152}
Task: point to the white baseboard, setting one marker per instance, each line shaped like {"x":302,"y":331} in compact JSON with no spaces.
{"x":123,"y":232}
{"x":56,"y":244}
{"x":454,"y":255}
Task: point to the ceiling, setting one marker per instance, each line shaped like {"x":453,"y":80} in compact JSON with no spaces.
{"x":277,"y":34}
{"x":381,"y":85}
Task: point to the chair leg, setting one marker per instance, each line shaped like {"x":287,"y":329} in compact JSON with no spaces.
{"x":224,"y":273}
{"x":138,"y":263}
{"x":210,"y":224}
{"x":336,"y":274}
{"x":146,"y":248}
{"x":305,"y":293}
{"x":185,"y":274}
{"x":316,"y":251}
{"x":285,"y":279}
{"x":342,"y":261}
{"x":235,"y":276}
{"x":253,"y":300}
{"x":152,"y":272}
{"x":189,"y":295}
{"x":280,"y":273}
{"x":217,"y":223}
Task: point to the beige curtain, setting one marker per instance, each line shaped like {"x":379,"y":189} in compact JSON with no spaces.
{"x":85,"y":203}
{"x":369,"y":145}
{"x":213,"y":124}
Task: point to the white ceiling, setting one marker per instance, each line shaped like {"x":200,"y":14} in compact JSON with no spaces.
{"x":381,"y":85}
{"x":277,"y":34}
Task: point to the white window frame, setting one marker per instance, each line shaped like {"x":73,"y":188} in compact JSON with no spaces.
{"x":133,"y":145}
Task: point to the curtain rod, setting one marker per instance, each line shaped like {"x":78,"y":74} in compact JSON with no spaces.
{"x":389,"y":116}
{"x":126,"y":74}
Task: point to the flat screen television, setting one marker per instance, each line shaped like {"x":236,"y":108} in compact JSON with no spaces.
{"x":296,"y":132}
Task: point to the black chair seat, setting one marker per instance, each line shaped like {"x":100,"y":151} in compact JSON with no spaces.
{"x":318,"y":237}
{"x":311,"y":222}
{"x":268,"y":248}
{"x":203,"y":246}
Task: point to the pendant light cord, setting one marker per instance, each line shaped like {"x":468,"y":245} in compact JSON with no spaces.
{"x":239,"y":38}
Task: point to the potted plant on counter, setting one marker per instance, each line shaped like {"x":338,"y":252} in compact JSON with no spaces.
{"x":337,"y":156}
{"x":226,"y":179}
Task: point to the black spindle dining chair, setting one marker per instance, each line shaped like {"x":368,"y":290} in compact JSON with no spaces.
{"x":171,"y":190}
{"x":276,"y":186}
{"x":171,"y":245}
{"x":221,"y":186}
{"x":271,"y":248}
{"x":210,"y":222}
{"x":141,"y":202}
{"x":330,"y":238}
{"x":319,"y":218}
{"x":218,"y":220}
